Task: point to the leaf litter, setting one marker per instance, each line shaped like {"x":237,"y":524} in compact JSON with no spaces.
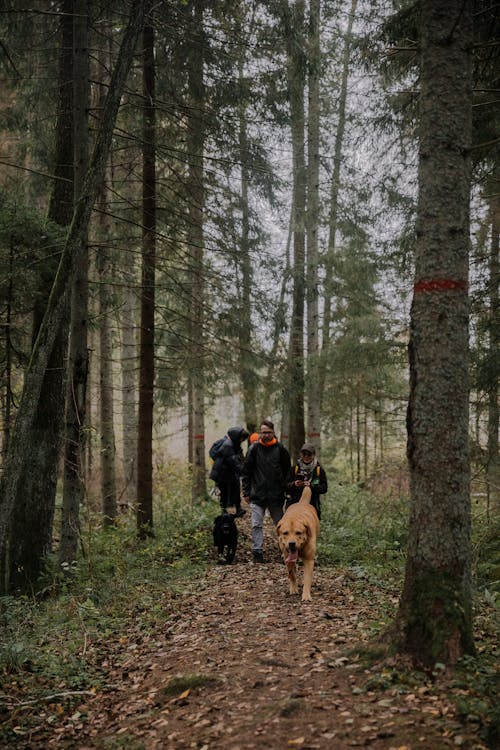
{"x":240,"y":664}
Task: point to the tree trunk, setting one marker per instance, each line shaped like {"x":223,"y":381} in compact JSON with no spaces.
{"x":493,"y":466}
{"x":147,"y":362}
{"x":76,"y":389}
{"x":334,"y":203}
{"x":108,"y":450}
{"x":196,"y":140}
{"x":295,"y":72}
{"x":351,"y":443}
{"x":33,"y":512}
{"x":22,"y":438}
{"x":358,"y":438}
{"x":280,"y":316}
{"x":434,"y":619}
{"x":247,"y":369}
{"x":365,"y":443}
{"x":313,"y":394}
{"x":129,"y":386}
{"x":8,"y":400}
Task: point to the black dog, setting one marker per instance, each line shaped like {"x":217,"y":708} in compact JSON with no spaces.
{"x":226,"y":535}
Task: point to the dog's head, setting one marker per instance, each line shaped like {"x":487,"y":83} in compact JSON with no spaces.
{"x":293,"y":535}
{"x":225,"y":523}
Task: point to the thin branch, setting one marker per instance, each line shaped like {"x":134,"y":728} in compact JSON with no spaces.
{"x":65,"y":694}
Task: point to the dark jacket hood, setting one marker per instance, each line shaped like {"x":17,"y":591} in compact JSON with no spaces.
{"x":237,"y":434}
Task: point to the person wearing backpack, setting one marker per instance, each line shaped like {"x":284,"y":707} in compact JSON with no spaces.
{"x":264,"y":475}
{"x":227,"y":455}
{"x":307,"y":472}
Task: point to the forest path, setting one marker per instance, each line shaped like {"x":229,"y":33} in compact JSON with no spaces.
{"x":240,"y":664}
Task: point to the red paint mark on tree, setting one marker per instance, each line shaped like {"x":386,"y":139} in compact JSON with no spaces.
{"x":440,"y":285}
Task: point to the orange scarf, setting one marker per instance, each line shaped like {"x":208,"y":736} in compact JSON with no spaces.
{"x":268,"y":442}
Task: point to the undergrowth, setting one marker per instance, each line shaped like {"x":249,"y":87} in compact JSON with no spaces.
{"x":120,"y":586}
{"x":54,"y":642}
{"x":364,"y":533}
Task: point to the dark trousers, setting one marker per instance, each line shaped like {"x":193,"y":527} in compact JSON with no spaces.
{"x":230,"y":493}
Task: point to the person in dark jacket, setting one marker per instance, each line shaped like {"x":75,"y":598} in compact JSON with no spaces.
{"x":226,"y":471}
{"x":307,"y":472}
{"x":264,"y":474}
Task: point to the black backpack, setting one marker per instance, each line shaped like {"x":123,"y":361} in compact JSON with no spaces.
{"x":215,"y":448}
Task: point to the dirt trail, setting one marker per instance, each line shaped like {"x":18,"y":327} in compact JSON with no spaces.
{"x":274,"y":673}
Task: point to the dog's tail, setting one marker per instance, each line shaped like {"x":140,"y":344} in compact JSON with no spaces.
{"x":306,"y":496}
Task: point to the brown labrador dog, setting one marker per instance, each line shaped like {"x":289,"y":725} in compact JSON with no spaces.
{"x":297,"y":532}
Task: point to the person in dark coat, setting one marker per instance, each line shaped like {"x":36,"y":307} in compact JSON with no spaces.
{"x":307,"y":472}
{"x":264,"y":474}
{"x":226,"y":471}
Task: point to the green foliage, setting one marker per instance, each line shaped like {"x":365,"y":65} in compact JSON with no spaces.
{"x":476,"y":687}
{"x":29,"y":252}
{"x":119,"y":580}
{"x":486,"y":559}
{"x":363,"y":532}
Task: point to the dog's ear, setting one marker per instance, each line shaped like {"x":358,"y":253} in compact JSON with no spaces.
{"x":278,"y":527}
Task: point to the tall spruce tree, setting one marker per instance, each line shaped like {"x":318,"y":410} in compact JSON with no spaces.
{"x":434,"y":622}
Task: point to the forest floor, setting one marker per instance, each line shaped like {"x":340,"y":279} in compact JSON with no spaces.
{"x":241,"y":664}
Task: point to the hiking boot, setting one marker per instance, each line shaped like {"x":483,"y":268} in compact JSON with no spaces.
{"x":240,"y":512}
{"x":258,"y":557}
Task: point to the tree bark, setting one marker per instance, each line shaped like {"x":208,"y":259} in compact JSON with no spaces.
{"x":434,"y":620}
{"x":273,"y":359}
{"x":247,"y":370}
{"x":493,"y":465}
{"x":129,"y":386}
{"x":20,"y":448}
{"x":294,"y":24}
{"x":76,"y":388}
{"x":33,"y":512}
{"x":147,"y":343}
{"x":7,"y":385}
{"x":196,"y":141}
{"x":108,"y":449}
{"x":312,"y":221}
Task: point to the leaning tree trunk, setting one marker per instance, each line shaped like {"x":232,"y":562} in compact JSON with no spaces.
{"x":23,"y":432}
{"x":434,"y":619}
{"x":33,"y":513}
{"x":147,"y":343}
{"x":312,"y":222}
